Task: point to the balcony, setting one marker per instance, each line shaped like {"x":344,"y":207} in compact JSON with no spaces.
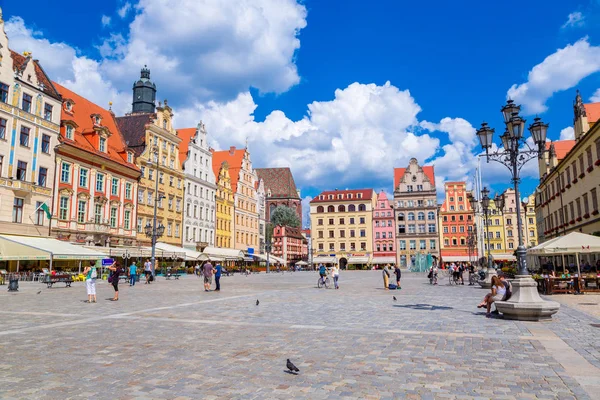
{"x":23,"y":188}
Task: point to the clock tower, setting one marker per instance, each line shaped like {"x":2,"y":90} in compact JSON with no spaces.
{"x":144,"y":93}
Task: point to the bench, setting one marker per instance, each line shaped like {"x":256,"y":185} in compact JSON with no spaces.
{"x":176,"y":275}
{"x":52,"y":279}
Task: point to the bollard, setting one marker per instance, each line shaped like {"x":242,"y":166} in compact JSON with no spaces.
{"x":13,"y":285}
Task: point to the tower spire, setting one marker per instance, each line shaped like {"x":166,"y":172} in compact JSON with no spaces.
{"x":144,"y":93}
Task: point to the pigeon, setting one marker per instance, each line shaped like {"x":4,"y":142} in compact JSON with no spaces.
{"x":291,"y":366}
{"x":257,"y":302}
{"x":394,"y":298}
{"x":39,"y":292}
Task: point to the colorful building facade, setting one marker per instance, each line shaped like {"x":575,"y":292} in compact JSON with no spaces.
{"x":97,"y":180}
{"x":200,"y":188}
{"x":29,"y":131}
{"x":224,"y":206}
{"x":289,"y":244}
{"x":280,"y":190}
{"x":457,"y":221}
{"x":416,"y":212}
{"x":342,"y":226}
{"x":384,"y":232}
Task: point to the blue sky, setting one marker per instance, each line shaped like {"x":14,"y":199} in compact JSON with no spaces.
{"x":306,"y":82}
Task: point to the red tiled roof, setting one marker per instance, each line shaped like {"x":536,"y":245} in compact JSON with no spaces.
{"x":20,"y":62}
{"x":399,"y":173}
{"x":367,"y":194}
{"x":562,"y":147}
{"x":133,"y":128}
{"x":186,"y":134}
{"x":593,"y":112}
{"x":83,"y":109}
{"x":279,"y":181}
{"x":234,"y":158}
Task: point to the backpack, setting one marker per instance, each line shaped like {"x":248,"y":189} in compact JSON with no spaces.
{"x":94,"y":274}
{"x":508,"y":293}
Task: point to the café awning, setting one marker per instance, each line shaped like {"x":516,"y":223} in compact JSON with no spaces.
{"x":573,"y":243}
{"x":455,"y":258}
{"x":272,"y":259}
{"x":13,"y":247}
{"x":190,"y":255}
{"x":358,"y":260}
{"x":227,"y":254}
{"x":384,"y":260}
{"x":324,"y":259}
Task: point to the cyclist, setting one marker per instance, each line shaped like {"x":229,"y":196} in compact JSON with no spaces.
{"x":322,"y":273}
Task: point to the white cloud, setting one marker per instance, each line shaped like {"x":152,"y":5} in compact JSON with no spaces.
{"x":306,"y":211}
{"x":560,"y":71}
{"x":123,"y":11}
{"x":567,"y":133}
{"x":596,"y":96}
{"x":105,"y":20}
{"x":575,"y":19}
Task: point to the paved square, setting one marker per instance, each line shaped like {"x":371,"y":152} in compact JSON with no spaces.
{"x":172,"y":340}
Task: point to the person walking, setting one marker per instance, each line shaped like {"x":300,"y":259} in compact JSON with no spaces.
{"x":218,"y":270}
{"x":398,"y":274}
{"x":207,"y":272}
{"x":132,"y":274}
{"x":386,"y":277}
{"x":335,"y":272}
{"x":148,"y":271}
{"x":113,"y":279}
{"x":91,"y":273}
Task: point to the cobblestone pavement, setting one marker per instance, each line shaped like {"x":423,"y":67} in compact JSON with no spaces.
{"x":172,"y":340}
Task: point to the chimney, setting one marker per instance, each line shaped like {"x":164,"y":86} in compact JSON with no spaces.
{"x":232,"y":150}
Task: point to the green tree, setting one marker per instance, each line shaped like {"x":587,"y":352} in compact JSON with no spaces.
{"x":285,"y":216}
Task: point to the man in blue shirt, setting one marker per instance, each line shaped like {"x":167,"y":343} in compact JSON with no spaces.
{"x":132,"y":274}
{"x":218,"y":270}
{"x":322,"y":272}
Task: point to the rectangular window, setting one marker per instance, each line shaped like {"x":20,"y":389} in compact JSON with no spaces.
{"x":462,"y":229}
{"x":48,"y":112}
{"x":594,"y":200}
{"x":363,"y":233}
{"x":177,"y":231}
{"x":83,"y":178}
{"x":102,"y":146}
{"x":586,"y":206}
{"x":161,"y":178}
{"x":113,"y":217}
{"x":63,"y":208}
{"x":65,"y":172}
{"x":3,"y":92}
{"x":127,"y":219}
{"x":21,"y":170}
{"x":421,"y":228}
{"x":331,"y":234}
{"x":453,"y":229}
{"x":99,"y":182}
{"x":411,"y":229}
{"x":140,"y":224}
{"x":39,"y":213}
{"x":149,"y":202}
{"x":69,"y":132}
{"x":46,"y":144}
{"x":431,"y":228}
{"x":98,"y":213}
{"x":128,"y":191}
{"x":170,"y":229}
{"x":419,"y":188}
{"x":24,"y":136}
{"x":413,"y":245}
{"x":151,"y":174}
{"x":362,"y":220}
{"x":422,"y":245}
{"x":351,"y":221}
{"x":3,"y":129}
{"x":409,"y":188}
{"x":114,"y":187}
{"x":42,"y":176}
{"x":26,"y":103}
{"x":578,"y":203}
{"x":81,"y":211}
{"x":403,"y":245}
{"x":432,"y":245}
{"x":17,"y":216}
{"x":510,"y":245}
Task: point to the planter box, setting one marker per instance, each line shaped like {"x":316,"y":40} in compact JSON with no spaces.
{"x":575,"y":181}
{"x":590,"y":168}
{"x":562,"y":190}
{"x":572,"y":222}
{"x":569,"y":186}
{"x":581,"y":175}
{"x":595,"y":212}
{"x":578,"y":219}
{"x":586,"y":215}
{"x":597,"y":162}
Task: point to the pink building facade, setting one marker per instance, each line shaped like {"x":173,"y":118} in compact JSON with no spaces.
{"x":384,"y":232}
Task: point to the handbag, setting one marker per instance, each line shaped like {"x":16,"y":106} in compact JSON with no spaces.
{"x":110,"y":278}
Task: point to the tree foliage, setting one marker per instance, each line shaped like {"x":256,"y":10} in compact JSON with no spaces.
{"x":285,"y":216}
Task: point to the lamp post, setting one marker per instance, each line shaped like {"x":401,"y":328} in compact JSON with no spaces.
{"x":155,"y":231}
{"x":525,"y":303}
{"x":268,"y":250}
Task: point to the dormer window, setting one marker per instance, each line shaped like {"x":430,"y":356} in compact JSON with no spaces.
{"x":164,"y":124}
{"x":102,"y":145}
{"x":69,"y":105}
{"x":69,"y":132}
{"x":97,"y":118}
{"x":129,"y":157}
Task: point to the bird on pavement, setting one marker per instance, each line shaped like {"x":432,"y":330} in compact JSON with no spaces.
{"x":39,"y":292}
{"x":257,"y":302}
{"x":291,"y":366}
{"x":394,"y":298}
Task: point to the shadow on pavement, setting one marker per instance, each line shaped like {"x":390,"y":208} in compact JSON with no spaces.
{"x":426,"y":307}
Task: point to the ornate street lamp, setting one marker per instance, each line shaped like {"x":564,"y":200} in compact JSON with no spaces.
{"x":525,"y":302}
{"x":155,"y":231}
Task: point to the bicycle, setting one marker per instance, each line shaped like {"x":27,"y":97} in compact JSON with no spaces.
{"x":323,"y":282}
{"x":453,"y":278}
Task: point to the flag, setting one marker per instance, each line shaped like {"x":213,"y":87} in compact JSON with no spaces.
{"x":46,"y":209}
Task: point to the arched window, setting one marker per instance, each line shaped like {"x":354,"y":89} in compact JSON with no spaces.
{"x":411,"y":216}
{"x":320,"y":209}
{"x":401,"y":217}
{"x":341,"y":208}
{"x":430,"y":215}
{"x":362,"y":207}
{"x":331,"y":209}
{"x":351,"y":208}
{"x":421,"y":216}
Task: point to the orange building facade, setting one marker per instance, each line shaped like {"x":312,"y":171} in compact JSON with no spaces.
{"x":456,"y":217}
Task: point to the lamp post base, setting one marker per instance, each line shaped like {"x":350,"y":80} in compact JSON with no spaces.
{"x":525,"y":304}
{"x":487,"y":282}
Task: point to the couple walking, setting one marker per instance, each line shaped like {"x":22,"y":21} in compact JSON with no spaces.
{"x":207,"y":272}
{"x":387,"y":272}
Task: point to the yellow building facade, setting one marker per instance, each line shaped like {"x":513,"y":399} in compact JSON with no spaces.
{"x":156,"y":143}
{"x":225,"y":206}
{"x":342,"y":226}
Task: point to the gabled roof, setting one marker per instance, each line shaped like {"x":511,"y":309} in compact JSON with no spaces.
{"x":19,"y":62}
{"x":593,"y":112}
{"x":279,"y":181}
{"x":399,"y":173}
{"x":234,"y":158}
{"x":186,"y":134}
{"x":83,"y":109}
{"x":133,"y":128}
{"x":562,"y":147}
{"x":366,"y":194}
